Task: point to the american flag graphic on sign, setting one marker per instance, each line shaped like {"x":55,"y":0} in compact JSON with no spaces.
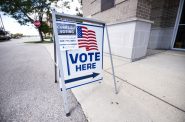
{"x":86,"y":38}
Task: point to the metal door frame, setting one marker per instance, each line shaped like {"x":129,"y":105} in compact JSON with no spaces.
{"x":177,"y":25}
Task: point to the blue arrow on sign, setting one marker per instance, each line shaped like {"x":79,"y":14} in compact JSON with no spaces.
{"x":93,"y":75}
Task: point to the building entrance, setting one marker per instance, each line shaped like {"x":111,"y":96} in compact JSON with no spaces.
{"x":180,"y":36}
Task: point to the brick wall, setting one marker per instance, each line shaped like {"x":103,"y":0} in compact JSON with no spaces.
{"x":91,"y":7}
{"x":123,"y":9}
{"x":164,"y":12}
{"x":143,"y":9}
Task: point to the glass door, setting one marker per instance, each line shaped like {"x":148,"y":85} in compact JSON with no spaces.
{"x":180,"y":37}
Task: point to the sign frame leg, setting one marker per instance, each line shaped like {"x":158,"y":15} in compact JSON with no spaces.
{"x":64,"y":95}
{"x":112,"y":64}
{"x":55,"y":62}
{"x":60,"y":69}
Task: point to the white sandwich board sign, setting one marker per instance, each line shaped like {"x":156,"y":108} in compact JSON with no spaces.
{"x":78,"y":51}
{"x":81,"y":51}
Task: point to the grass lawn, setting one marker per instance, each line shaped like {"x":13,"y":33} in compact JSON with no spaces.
{"x":42,"y":42}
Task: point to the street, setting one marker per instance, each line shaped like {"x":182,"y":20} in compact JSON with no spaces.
{"x":27,"y":89}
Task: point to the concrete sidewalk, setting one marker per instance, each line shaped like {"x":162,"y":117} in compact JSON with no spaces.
{"x":150,"y":90}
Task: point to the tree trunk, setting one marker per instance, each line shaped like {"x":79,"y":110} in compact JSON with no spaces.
{"x":41,"y":36}
{"x":40,"y":32}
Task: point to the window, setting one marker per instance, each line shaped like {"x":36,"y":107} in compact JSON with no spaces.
{"x":106,"y":4}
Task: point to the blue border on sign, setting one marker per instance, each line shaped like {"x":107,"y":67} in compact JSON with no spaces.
{"x":68,"y":68}
{"x":85,"y":83}
{"x":102,"y":57}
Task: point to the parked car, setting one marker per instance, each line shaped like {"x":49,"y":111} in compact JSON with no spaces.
{"x":5,"y":35}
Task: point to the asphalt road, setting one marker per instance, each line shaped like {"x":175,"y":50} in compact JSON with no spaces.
{"x":27,"y":89}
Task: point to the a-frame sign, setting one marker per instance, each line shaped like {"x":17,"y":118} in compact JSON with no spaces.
{"x":78,"y":46}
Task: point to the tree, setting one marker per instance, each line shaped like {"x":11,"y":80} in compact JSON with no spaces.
{"x":23,"y":10}
{"x":45,"y":28}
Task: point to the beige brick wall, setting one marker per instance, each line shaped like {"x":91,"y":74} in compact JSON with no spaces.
{"x":91,"y":7}
{"x":123,"y":9}
{"x":143,"y":9}
{"x":164,"y":12}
